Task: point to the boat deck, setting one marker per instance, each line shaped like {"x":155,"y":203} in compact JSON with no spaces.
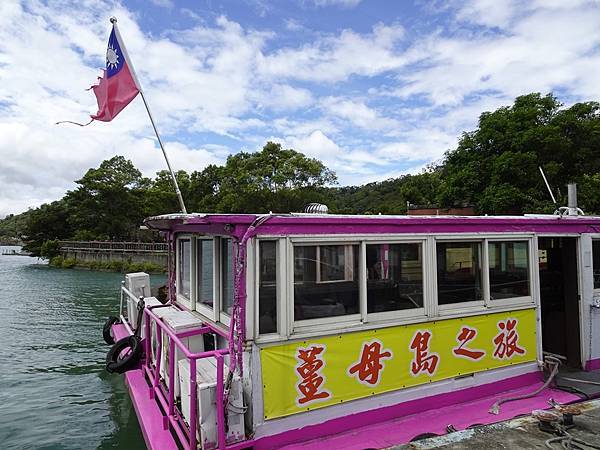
{"x":518,"y":433}
{"x":438,"y":421}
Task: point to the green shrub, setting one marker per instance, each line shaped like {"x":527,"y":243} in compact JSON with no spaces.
{"x":87,"y":235}
{"x":50,"y":249}
{"x":150,"y":267}
{"x":69,"y":263}
{"x":136,"y":267}
{"x":116,"y":266}
{"x":113,"y":266}
{"x":57,"y":261}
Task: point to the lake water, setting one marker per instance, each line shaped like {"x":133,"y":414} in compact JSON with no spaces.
{"x":54,"y":391}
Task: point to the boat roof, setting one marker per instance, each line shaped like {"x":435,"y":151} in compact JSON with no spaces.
{"x":304,"y":223}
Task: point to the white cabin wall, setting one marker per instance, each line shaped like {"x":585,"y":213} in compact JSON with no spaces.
{"x":590,"y":315}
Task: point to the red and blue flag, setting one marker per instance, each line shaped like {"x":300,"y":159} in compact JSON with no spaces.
{"x":118,"y":87}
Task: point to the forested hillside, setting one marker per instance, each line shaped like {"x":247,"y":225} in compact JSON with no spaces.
{"x":494,"y":168}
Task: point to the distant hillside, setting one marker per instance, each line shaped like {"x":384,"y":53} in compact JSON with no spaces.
{"x":12,"y":228}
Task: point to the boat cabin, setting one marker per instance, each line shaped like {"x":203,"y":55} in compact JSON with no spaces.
{"x":281,"y":329}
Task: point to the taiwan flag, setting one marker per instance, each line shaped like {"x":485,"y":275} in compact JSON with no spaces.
{"x":118,"y":86}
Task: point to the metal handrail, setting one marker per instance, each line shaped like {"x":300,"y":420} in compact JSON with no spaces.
{"x":169,"y":403}
{"x":130,"y":295}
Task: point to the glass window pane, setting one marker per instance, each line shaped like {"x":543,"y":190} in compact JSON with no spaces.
{"x":327,"y":289}
{"x":205,"y":272}
{"x":394,"y":277}
{"x":596,"y":255}
{"x":459,"y":272}
{"x":509,"y":269}
{"x":226,"y":275}
{"x":184,"y":275}
{"x":267,"y":288}
{"x":305,"y":264}
{"x":332,"y":262}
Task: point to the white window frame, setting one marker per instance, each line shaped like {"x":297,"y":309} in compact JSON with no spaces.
{"x":595,"y":238}
{"x":222,"y":315}
{"x":211,"y":313}
{"x":348,"y":257}
{"x":462,"y":307}
{"x":287,"y":328}
{"x":532,"y":260}
{"x":280,"y":273}
{"x":187,"y":302}
{"x":487,"y":303}
{"x":402,"y":313}
{"x":322,"y":323}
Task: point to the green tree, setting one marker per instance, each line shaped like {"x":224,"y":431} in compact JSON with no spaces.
{"x":495,"y":167}
{"x":205,"y":187}
{"x":387,"y":197}
{"x":274,"y":179}
{"x":109,"y":200}
{"x":160,"y":196}
{"x":50,"y":248}
{"x":48,"y":222}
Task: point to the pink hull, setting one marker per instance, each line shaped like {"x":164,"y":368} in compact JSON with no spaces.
{"x":147,"y":410}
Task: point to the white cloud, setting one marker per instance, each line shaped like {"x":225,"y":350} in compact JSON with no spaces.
{"x":541,"y":50}
{"x":163,"y":3}
{"x":490,"y":13}
{"x":282,"y":97}
{"x":342,"y":3}
{"x":316,"y":145}
{"x":357,"y":112}
{"x":335,"y":58}
{"x":293,"y":25}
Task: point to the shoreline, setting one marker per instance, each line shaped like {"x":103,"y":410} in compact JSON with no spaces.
{"x":116,"y":266}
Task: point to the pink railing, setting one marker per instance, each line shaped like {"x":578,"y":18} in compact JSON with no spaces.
{"x":174,"y":418}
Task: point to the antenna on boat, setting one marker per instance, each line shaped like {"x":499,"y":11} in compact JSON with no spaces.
{"x":572,"y":209}
{"x":547,"y":185}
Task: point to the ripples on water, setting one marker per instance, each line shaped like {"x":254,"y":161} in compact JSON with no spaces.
{"x":54,"y":391}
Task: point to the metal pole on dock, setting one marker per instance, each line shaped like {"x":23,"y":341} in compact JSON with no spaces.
{"x":113,"y":20}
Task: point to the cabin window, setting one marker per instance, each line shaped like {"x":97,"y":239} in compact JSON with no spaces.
{"x":459,"y":272}
{"x":205,"y":273}
{"x":267,"y":289}
{"x":325,"y":281}
{"x":509,"y":269}
{"x":596,"y":263}
{"x":227,"y":275}
{"x":394,"y":277}
{"x":184,"y":268}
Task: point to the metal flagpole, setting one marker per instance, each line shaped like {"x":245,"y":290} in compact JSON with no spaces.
{"x":113,"y":20}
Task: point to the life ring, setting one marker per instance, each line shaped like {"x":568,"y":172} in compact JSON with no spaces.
{"x":106,"y":329}
{"x":119,"y":360}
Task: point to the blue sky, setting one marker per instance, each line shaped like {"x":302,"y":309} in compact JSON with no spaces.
{"x":373,"y":88}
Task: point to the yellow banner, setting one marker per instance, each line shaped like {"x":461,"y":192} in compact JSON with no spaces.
{"x":323,"y":371}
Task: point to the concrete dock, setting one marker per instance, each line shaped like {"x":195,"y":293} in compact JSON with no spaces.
{"x":520,"y":433}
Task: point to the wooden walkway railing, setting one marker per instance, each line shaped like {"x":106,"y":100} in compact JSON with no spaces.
{"x":125,"y":247}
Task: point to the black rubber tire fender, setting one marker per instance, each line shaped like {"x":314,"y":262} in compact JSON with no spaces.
{"x":115,"y":363}
{"x":107,"y":327}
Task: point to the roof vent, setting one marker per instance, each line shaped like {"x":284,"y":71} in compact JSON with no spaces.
{"x":316,"y":208}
